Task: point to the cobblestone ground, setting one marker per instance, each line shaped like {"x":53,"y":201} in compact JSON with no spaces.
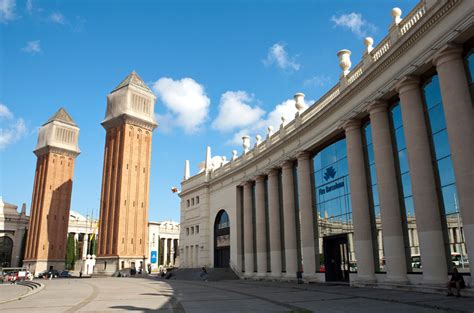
{"x":147,"y":295}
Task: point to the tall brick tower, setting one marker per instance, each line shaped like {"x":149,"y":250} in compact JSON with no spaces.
{"x":123,"y":223}
{"x":56,"y":151}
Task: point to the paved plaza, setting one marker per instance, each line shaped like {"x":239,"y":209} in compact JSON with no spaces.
{"x":147,"y":295}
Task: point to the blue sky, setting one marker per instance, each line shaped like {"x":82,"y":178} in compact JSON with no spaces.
{"x":220,"y":69}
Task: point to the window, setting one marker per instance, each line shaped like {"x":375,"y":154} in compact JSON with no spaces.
{"x":443,"y":164}
{"x":373,"y":191}
{"x":332,"y":192}
{"x":187,"y":203}
{"x":197,"y":200}
{"x":411,"y":244}
{"x":192,"y":230}
{"x":197,"y":229}
{"x":187,"y":231}
{"x":192,"y":201}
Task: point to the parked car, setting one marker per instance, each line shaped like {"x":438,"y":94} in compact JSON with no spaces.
{"x":65,"y":274}
{"x":47,"y":273}
{"x":458,"y":260}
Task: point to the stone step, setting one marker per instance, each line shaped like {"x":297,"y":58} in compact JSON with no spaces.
{"x":466,"y":292}
{"x":213,"y":274}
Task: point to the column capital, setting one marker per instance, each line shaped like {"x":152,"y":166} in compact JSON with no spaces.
{"x":377,"y":106}
{"x":273,"y":172}
{"x":247,"y":183}
{"x":287,"y":164}
{"x":303,"y":155}
{"x":260,"y":178}
{"x":352,"y":124}
{"x":408,"y":83}
{"x":448,"y":53}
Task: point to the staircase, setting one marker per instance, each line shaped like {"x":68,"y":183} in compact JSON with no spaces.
{"x":213,"y":274}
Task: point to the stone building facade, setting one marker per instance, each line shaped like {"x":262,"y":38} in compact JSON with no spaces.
{"x":163,"y":244}
{"x":56,"y":151}
{"x":129,"y":123}
{"x":13,"y":229}
{"x":372,"y":183}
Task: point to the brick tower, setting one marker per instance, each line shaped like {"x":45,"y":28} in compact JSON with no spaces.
{"x":123,"y":223}
{"x":56,"y":151}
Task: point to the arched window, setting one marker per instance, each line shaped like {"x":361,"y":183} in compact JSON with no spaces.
{"x":6,"y":247}
{"x":222,"y":220}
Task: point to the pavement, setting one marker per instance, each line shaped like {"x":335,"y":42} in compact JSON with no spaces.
{"x":179,"y":296}
{"x":8,"y":291}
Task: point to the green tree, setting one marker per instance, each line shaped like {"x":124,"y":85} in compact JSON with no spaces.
{"x":23,"y":247}
{"x":70,"y":252}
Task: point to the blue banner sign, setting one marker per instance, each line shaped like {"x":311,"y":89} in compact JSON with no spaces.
{"x":153,"y":257}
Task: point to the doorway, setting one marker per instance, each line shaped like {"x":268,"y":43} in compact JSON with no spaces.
{"x":222,"y":240}
{"x":336,"y":258}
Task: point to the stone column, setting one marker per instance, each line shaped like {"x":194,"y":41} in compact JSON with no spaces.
{"x":172,"y":252}
{"x":165,"y":251}
{"x":306,"y":215}
{"x":459,"y":114}
{"x":361,"y":211}
{"x":238,"y":225}
{"x":289,"y":219}
{"x":274,"y":222}
{"x":248,"y":230}
{"x":85,"y":246}
{"x":423,"y":183}
{"x":260,"y":221}
{"x":388,"y":193}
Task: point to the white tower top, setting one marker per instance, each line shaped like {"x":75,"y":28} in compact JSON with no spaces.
{"x":131,"y":99}
{"x":60,"y":133}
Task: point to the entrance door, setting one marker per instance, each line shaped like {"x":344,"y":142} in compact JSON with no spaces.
{"x":336,"y":258}
{"x":221,"y":240}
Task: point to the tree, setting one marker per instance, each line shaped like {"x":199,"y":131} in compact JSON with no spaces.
{"x":70,"y":252}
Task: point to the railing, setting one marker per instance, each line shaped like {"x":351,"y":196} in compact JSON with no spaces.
{"x":412,"y":18}
{"x":381,"y":49}
{"x":355,"y":73}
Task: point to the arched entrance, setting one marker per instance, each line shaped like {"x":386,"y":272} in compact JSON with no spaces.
{"x":6,"y":247}
{"x":221,"y":240}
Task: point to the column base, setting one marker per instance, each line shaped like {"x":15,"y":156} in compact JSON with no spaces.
{"x":111,"y":265}
{"x":397,"y":280}
{"x":289,"y":276}
{"x":261,"y":275}
{"x":276,"y":276}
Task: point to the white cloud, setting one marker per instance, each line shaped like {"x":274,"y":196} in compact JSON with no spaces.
{"x":278,"y":56}
{"x":355,"y":23}
{"x":12,"y":131}
{"x":58,"y":18}
{"x":29,"y":6}
{"x":317,"y":81}
{"x":285,"y":109}
{"x":186,"y":100}
{"x":236,"y":112}
{"x":32,"y":47}
{"x":5,"y":112}
{"x":7,"y":11}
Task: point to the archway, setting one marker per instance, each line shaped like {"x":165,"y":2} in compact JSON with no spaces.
{"x":6,"y":247}
{"x":222,"y":240}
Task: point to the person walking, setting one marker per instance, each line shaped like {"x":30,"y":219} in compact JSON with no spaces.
{"x":456,"y":282}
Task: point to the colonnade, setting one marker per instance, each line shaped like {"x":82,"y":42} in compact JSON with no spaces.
{"x":283,"y":203}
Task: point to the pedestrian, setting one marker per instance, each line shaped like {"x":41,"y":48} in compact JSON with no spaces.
{"x":149,"y":268}
{"x":456,"y":282}
{"x":203,"y":274}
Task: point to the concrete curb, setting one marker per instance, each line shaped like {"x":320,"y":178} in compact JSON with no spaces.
{"x":34,"y":287}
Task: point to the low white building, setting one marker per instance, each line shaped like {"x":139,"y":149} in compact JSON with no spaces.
{"x":163,"y":240}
